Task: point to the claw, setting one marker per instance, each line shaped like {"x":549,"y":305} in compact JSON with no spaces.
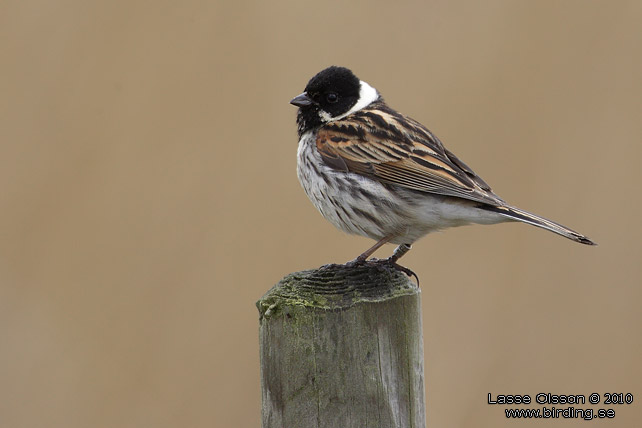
{"x":405,"y":270}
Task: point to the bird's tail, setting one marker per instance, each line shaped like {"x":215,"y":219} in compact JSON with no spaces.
{"x":526,"y":217}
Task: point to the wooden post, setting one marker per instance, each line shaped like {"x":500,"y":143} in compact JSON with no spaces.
{"x":342,"y":347}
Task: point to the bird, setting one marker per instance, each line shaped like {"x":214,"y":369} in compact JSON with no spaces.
{"x":375,"y":172}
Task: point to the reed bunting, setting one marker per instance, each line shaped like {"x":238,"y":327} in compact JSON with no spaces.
{"x":372,"y":171}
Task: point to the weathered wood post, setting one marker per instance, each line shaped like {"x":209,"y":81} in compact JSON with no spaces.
{"x":342,"y":347}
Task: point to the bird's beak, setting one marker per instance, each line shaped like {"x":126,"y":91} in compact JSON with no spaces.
{"x":301,"y":100}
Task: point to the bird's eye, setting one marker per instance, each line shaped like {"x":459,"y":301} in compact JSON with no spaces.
{"x":332,"y":97}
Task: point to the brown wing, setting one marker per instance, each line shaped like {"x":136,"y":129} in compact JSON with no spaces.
{"x":382,"y":144}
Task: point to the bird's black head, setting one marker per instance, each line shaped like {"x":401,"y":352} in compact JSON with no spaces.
{"x":330,"y":95}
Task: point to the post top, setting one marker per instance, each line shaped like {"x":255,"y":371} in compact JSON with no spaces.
{"x":336,"y":287}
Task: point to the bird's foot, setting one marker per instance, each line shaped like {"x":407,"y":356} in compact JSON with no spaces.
{"x":391,"y":263}
{"x":359,"y":261}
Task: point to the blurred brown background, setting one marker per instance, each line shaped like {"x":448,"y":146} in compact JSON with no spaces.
{"x":149,"y":197}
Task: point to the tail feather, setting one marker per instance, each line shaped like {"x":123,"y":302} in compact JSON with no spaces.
{"x":526,"y":217}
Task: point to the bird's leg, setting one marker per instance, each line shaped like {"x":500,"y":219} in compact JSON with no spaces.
{"x":363,"y":257}
{"x":399,"y":252}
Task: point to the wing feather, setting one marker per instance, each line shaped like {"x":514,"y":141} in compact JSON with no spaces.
{"x":384,"y":145}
